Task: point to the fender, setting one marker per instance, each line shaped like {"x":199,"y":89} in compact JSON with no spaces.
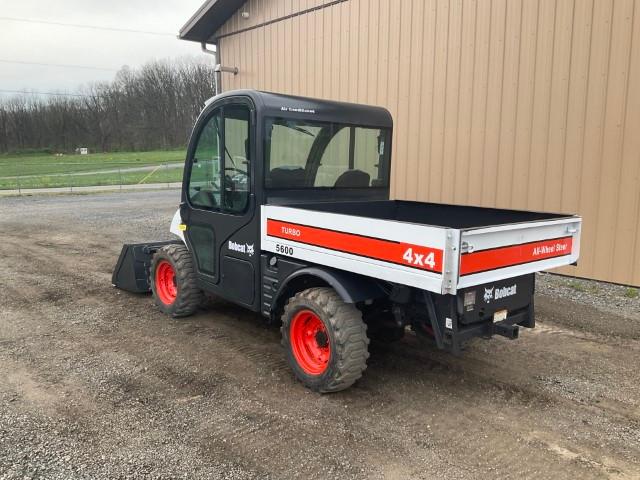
{"x":351,"y":287}
{"x":176,"y":221}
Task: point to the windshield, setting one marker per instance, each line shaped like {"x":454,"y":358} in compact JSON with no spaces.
{"x":303,"y":154}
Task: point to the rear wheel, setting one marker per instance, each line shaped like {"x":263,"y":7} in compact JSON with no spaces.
{"x":325,"y":340}
{"x":173,"y":281}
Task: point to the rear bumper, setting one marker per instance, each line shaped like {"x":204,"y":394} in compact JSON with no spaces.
{"x":454,"y":320}
{"x":509,"y":327}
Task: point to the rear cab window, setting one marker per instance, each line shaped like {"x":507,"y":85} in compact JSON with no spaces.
{"x":302,"y":154}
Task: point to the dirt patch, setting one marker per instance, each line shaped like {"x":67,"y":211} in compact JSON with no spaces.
{"x":96,"y":383}
{"x":585,"y":317}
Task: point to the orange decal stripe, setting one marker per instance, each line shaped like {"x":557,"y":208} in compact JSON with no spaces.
{"x":407,"y":254}
{"x":495,"y":258}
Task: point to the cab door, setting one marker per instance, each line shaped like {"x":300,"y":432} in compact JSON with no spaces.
{"x":218,"y":203}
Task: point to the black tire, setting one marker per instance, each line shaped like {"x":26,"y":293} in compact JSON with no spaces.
{"x":188,"y":296}
{"x":347,"y":339}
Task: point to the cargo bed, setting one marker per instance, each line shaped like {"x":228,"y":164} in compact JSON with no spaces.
{"x":436,"y":247}
{"x":433,"y":214}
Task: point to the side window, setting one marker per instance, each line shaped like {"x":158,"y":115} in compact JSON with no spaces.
{"x":236,"y":160}
{"x":204,"y":181}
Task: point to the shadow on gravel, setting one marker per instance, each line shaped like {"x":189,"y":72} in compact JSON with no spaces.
{"x":585,"y":318}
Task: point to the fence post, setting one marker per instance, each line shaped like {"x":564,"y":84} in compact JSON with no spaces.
{"x":166,"y":171}
{"x":18,"y":178}
{"x":120,"y":176}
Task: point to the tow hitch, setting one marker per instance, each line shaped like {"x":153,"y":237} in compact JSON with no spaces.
{"x":506,"y":330}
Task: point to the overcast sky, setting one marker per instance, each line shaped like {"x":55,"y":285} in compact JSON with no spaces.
{"x":41,"y":43}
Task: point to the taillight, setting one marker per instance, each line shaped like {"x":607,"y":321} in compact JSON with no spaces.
{"x":469,"y":300}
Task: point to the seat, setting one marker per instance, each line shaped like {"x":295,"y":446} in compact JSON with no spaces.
{"x":353,"y":179}
{"x":286,"y":177}
{"x":204,"y":198}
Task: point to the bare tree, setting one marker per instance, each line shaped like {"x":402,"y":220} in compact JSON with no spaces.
{"x":141,"y":109}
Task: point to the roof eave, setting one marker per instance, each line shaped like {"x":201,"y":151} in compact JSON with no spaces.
{"x":208,"y":19}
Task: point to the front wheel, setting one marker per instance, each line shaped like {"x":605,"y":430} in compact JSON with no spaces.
{"x":325,"y":340}
{"x":173,"y":281}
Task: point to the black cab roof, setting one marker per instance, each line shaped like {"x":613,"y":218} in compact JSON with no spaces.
{"x":279,"y":105}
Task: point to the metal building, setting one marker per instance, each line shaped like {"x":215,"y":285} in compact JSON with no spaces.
{"x":527,"y":104}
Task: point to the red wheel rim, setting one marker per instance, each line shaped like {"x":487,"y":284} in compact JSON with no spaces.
{"x":310,"y":342}
{"x":166,"y":288}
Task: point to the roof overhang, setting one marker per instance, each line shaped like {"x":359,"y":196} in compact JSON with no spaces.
{"x":203,"y":25}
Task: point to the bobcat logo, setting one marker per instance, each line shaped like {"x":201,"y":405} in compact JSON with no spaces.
{"x":502,"y":292}
{"x":242,"y":247}
{"x":488,"y":294}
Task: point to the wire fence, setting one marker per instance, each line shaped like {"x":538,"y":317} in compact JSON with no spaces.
{"x":73,"y":176}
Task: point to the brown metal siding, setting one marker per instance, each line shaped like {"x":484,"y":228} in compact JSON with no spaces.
{"x":530,"y":104}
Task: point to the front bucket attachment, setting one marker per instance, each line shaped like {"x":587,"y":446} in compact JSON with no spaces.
{"x":132,"y":270}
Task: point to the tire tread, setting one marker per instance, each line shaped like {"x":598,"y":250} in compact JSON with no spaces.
{"x":189,"y":295}
{"x":350,"y":335}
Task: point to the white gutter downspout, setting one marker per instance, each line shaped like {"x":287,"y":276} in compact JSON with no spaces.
{"x":203,"y":46}
{"x":218,"y":69}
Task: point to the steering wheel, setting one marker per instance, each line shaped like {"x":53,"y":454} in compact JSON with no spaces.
{"x":234,"y":169}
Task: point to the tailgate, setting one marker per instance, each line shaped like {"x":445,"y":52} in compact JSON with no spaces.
{"x":489,"y":254}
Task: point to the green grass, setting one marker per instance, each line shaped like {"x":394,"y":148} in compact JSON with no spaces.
{"x":579,"y":286}
{"x":43,"y":171}
{"x":162,"y":175}
{"x":11,"y":165}
{"x":631,"y":292}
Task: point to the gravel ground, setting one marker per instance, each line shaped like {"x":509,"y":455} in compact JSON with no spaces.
{"x":606,"y":297}
{"x":590,"y":306}
{"x":96,"y":383}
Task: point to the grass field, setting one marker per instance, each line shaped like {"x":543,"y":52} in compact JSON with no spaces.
{"x":126,"y":168}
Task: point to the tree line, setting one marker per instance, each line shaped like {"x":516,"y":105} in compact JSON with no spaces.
{"x":153,"y":107}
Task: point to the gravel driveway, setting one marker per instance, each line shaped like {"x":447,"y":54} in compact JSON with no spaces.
{"x":96,"y":383}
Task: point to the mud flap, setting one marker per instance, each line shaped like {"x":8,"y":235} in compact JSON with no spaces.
{"x":132,"y":270}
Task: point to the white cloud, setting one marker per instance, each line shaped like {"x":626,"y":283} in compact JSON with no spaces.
{"x":33,"y":42}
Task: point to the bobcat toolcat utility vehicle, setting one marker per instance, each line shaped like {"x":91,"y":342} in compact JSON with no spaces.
{"x":285,"y":211}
